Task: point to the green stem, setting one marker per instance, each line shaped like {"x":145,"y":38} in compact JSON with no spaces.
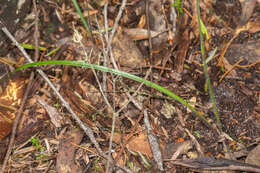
{"x":121,"y":73}
{"x":81,"y":16}
{"x":211,"y":94}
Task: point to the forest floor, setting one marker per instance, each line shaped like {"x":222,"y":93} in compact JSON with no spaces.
{"x":49,"y":139}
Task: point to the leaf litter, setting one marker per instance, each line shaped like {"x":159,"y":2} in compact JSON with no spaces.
{"x":237,"y":95}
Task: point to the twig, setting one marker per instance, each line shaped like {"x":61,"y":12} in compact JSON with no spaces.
{"x":153,"y":141}
{"x":79,"y":37}
{"x":86,"y":129}
{"x":108,"y":49}
{"x":115,"y":115}
{"x":131,"y":99}
{"x":149,"y":31}
{"x":36,"y":32}
{"x":105,"y":21}
{"x":133,"y":130}
{"x":19,"y":115}
{"x":109,"y":40}
{"x":229,"y":70}
{"x":212,"y":164}
{"x":104,"y":56}
{"x":122,"y":7}
{"x":15,"y":124}
{"x":150,"y":45}
{"x":196,"y":143}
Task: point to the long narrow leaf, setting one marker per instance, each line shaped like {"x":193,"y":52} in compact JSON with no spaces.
{"x":117,"y":72}
{"x":81,"y":15}
{"x":205,"y":68}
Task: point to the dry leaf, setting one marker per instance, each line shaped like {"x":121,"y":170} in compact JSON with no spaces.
{"x":66,"y":152}
{"x":142,"y":22}
{"x":10,"y":100}
{"x":140,"y":144}
{"x":253,"y":156}
{"x":126,"y":52}
{"x":53,"y":113}
{"x":141,"y":34}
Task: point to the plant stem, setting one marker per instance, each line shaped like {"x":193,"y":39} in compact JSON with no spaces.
{"x":211,"y":94}
{"x":81,"y":16}
{"x":121,"y":73}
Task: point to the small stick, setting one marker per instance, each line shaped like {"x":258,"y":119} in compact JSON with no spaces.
{"x":19,"y":115}
{"x":86,"y":129}
{"x":15,"y":124}
{"x":109,"y":40}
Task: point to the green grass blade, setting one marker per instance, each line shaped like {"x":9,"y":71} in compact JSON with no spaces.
{"x":81,"y":16}
{"x":31,"y":47}
{"x":52,"y":52}
{"x":117,"y":72}
{"x":205,"y":68}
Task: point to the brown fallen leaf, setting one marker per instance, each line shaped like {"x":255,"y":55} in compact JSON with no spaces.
{"x":10,"y":100}
{"x":140,"y":144}
{"x":66,"y":152}
{"x":153,"y":142}
{"x":173,"y":150}
{"x":141,"y":22}
{"x":141,"y":34}
{"x":136,"y":144}
{"x":254,"y":27}
{"x":253,"y":156}
{"x":247,"y":10}
{"x":157,"y":22}
{"x":126,"y":52}
{"x":248,"y":51}
{"x":53,"y":113}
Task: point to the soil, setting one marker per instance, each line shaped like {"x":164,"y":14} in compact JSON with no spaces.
{"x":177,"y":66}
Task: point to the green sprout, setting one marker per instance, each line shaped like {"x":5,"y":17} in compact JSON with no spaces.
{"x":40,"y":148}
{"x":177,"y":4}
{"x":197,"y":134}
{"x":56,"y":105}
{"x":35,"y":142}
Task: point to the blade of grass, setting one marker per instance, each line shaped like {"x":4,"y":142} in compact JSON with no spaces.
{"x":81,"y":16}
{"x":121,"y":73}
{"x":52,"y":51}
{"x":205,"y":68}
{"x":211,"y":55}
{"x":31,"y":47}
